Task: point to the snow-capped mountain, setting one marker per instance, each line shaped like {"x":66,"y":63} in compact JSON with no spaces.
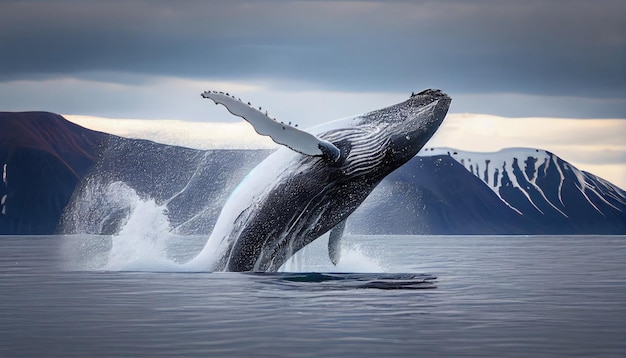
{"x":542,"y":178}
{"x":513,"y":191}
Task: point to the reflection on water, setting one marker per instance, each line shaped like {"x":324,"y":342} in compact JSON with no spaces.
{"x":493,"y":296}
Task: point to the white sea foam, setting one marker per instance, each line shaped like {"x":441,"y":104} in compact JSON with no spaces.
{"x":141,"y":244}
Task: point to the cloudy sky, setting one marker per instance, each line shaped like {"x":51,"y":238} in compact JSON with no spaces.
{"x":313,"y":61}
{"x":141,"y":59}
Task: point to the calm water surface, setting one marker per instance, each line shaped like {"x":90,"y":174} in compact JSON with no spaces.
{"x":413,"y":296}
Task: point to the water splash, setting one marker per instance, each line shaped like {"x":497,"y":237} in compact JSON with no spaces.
{"x":99,"y":208}
{"x":140,"y":237}
{"x":141,"y":245}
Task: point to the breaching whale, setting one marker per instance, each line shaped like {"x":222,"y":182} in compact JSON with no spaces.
{"x":315,"y":181}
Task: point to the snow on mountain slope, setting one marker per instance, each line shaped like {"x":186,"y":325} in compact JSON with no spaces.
{"x":535,"y":181}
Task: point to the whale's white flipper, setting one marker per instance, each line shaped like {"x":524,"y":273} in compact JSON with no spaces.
{"x":281,"y":133}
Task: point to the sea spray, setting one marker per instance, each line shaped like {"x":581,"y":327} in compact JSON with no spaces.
{"x":140,"y":237}
{"x":99,"y":208}
{"x":137,"y":230}
{"x":146,"y":241}
{"x":141,"y":245}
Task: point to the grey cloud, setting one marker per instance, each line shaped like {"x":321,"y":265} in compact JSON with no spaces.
{"x":560,"y":47}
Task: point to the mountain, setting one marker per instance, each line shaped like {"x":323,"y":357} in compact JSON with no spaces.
{"x":60,"y":177}
{"x":42,"y":157}
{"x":514,"y":191}
{"x":49,"y":163}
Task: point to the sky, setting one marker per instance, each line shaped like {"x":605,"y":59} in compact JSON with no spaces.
{"x":313,"y":61}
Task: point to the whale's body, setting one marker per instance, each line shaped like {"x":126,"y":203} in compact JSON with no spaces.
{"x":290,"y":199}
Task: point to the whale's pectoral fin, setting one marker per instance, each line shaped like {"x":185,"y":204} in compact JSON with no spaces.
{"x":281,"y":133}
{"x":334,"y":242}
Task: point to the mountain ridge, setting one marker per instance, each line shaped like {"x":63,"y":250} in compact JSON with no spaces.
{"x":48,"y":161}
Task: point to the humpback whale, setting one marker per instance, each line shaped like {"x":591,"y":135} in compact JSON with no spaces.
{"x":311,"y":184}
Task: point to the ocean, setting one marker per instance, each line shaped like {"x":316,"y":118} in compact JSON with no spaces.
{"x":392,"y":296}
